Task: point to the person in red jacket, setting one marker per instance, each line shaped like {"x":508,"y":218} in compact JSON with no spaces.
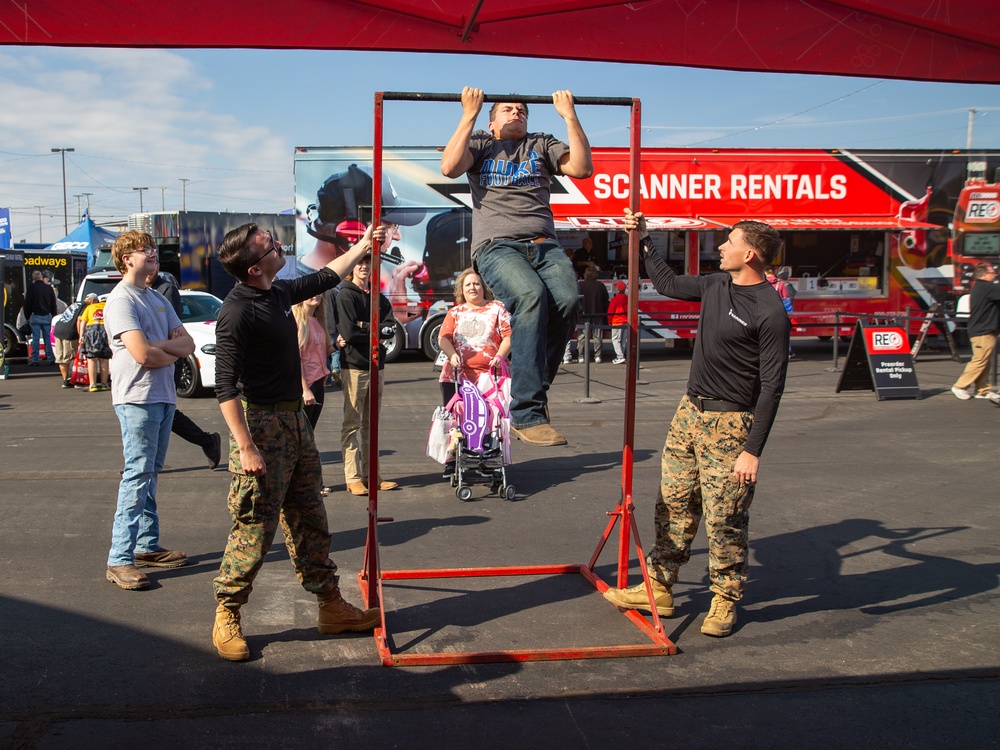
{"x":618,"y":320}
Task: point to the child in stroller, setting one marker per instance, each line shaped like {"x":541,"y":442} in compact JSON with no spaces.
{"x":480,"y":443}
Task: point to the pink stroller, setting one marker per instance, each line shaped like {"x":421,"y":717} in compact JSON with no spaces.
{"x":482,"y":444}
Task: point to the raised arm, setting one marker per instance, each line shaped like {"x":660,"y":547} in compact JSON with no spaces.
{"x":457,"y":157}
{"x":578,"y":162}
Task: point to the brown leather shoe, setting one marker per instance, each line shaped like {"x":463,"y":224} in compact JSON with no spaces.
{"x":163,"y":558}
{"x":357,"y":488}
{"x":227,"y":635}
{"x":538,"y":434}
{"x":337,"y":616}
{"x":127,"y":577}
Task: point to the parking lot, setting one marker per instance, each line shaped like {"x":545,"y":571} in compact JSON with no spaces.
{"x":870,"y":617}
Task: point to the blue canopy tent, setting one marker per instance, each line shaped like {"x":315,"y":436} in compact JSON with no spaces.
{"x":88,"y":236}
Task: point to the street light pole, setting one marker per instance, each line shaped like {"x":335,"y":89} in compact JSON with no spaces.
{"x":163,"y":199}
{"x":184,"y":184}
{"x":40,"y":224}
{"x":62,"y":153}
{"x":140,"y":197}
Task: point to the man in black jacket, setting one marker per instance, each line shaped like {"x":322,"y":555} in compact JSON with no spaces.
{"x":353,"y":324}
{"x":39,"y":307}
{"x":710,"y":459}
{"x":983,"y":327}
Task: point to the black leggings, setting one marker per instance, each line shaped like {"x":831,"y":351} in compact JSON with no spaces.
{"x":447,"y":391}
{"x":313,"y":410}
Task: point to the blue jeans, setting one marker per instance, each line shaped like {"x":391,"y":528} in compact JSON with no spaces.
{"x":537,"y":284}
{"x":41,"y":326}
{"x":145,"y":434}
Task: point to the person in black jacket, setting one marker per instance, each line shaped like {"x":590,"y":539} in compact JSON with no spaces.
{"x":983,"y":327}
{"x":595,"y":309}
{"x":354,"y":327}
{"x":39,"y":307}
{"x":185,"y":427}
{"x":710,"y":459}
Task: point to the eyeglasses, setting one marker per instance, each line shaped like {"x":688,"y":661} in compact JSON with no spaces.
{"x":273,"y":248}
{"x":149,"y":252}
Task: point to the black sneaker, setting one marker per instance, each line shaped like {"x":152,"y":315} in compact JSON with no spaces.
{"x":214,"y":450}
{"x":67,"y":384}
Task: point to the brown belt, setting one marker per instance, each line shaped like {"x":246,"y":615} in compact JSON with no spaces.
{"x":278,"y":406}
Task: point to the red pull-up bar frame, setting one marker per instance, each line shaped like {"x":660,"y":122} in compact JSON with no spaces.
{"x":623,"y":512}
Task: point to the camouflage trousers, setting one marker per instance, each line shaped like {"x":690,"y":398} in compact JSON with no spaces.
{"x":289,"y":494}
{"x":696,"y":480}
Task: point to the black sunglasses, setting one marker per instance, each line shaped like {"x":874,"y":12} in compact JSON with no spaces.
{"x":273,"y":248}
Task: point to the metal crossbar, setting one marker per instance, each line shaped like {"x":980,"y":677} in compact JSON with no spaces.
{"x":371,"y":576}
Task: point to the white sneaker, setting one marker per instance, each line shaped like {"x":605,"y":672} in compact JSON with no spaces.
{"x":597,"y":360}
{"x":618,"y":361}
{"x":580,"y":361}
{"x":994,"y":397}
{"x":567,"y":360}
{"x":961,"y":393}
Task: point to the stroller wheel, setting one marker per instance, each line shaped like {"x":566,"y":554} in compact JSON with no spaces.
{"x":507,"y":492}
{"x":464,"y":492}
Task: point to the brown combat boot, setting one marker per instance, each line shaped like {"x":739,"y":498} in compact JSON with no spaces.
{"x":721,"y":617}
{"x":635,"y":597}
{"x":227,"y":635}
{"x":337,"y":615}
{"x":127,"y":577}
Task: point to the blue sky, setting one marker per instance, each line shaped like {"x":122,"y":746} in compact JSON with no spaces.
{"x":228,"y":120}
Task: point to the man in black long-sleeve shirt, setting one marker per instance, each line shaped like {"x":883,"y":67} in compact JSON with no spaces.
{"x":710,"y":460}
{"x":277,"y":475}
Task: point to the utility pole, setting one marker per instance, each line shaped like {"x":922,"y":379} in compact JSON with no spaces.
{"x":163,"y":200}
{"x":140,"y":189}
{"x":40,"y":224}
{"x":968,"y":140}
{"x":62,"y":153}
{"x":79,"y":218}
{"x":184,"y":184}
{"x":87,"y":196}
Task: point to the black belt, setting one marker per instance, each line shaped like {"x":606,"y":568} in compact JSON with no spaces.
{"x":279,"y":406}
{"x":704,"y":403}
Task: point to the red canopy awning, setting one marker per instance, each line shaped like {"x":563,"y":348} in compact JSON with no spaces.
{"x":945,"y":40}
{"x":850,"y":223}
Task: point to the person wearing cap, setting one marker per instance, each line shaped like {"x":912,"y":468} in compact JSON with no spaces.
{"x":146,"y":339}
{"x":94,"y":344}
{"x":65,"y":328}
{"x":514,"y":240}
{"x":618,"y":320}
{"x":276,"y":469}
{"x":354,"y":329}
{"x":712,"y":452}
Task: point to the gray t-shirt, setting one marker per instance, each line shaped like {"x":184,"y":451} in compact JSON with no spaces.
{"x":130,"y":308}
{"x":509,"y":181}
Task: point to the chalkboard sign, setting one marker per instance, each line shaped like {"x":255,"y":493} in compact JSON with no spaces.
{"x":879,"y":359}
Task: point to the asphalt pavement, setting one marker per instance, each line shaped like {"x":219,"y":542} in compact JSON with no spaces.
{"x":870,"y":618}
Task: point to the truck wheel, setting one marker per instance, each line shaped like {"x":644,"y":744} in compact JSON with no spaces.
{"x":187,"y":384}
{"x":429,"y":337}
{"x":395,"y":346}
{"x":9,"y":342}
